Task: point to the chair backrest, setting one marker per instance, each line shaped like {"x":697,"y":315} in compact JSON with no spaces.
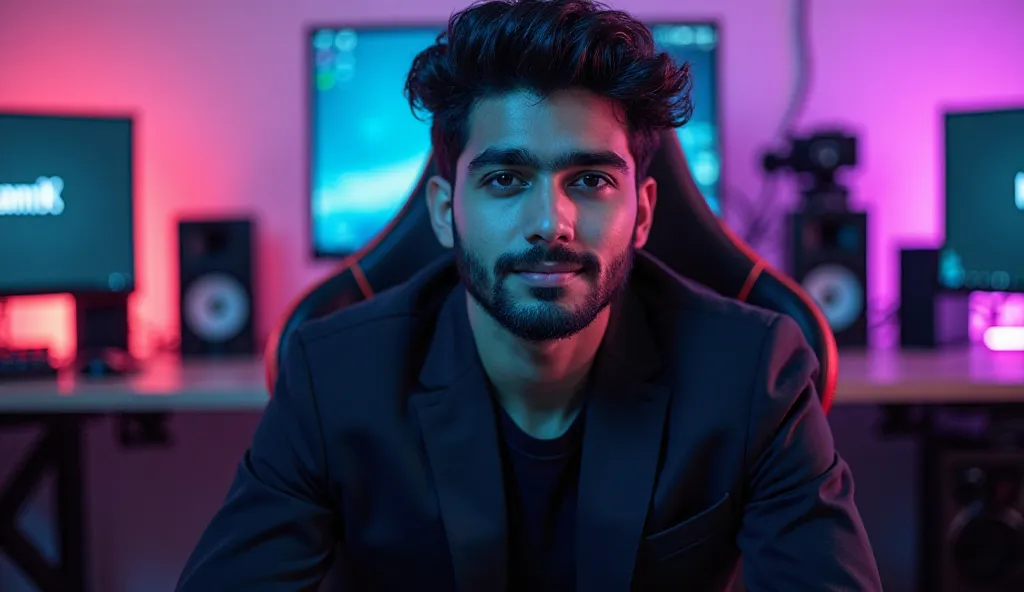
{"x":402,"y":248}
{"x":690,"y":239}
{"x":686,"y":236}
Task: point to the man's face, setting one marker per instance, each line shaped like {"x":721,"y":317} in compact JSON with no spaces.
{"x":546,"y":211}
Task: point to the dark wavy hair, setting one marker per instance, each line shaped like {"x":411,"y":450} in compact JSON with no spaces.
{"x":543,"y":46}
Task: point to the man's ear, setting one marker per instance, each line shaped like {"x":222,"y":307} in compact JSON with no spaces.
{"x":439,"y":204}
{"x":646,"y":199}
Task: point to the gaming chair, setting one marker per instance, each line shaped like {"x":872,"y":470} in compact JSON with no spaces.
{"x":686,"y":236}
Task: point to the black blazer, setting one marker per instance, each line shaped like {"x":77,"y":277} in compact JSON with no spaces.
{"x":379,"y":454}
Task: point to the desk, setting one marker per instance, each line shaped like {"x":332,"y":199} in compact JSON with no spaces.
{"x":61,"y":407}
{"x":922,"y":392}
{"x":954,"y":376}
{"x":874,"y":377}
{"x":160,"y":385}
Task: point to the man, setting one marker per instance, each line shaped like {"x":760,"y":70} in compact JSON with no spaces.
{"x":551,"y":410}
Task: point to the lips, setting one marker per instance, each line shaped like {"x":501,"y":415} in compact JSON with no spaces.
{"x":551,"y":268}
{"x":548,"y":279}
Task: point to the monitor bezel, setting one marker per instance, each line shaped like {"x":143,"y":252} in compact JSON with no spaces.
{"x":316,"y":254}
{"x":132,"y":119}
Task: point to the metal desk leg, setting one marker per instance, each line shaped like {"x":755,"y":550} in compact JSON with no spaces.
{"x":59,"y":449}
{"x":70,"y":502}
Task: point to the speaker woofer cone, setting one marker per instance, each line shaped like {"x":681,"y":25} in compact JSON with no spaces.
{"x":987,"y":544}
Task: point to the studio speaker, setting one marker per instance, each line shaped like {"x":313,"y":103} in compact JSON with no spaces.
{"x":216,"y":271}
{"x":828,"y":257}
{"x":981,"y":522}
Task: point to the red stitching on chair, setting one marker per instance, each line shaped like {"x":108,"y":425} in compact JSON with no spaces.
{"x":831,"y":349}
{"x":361,"y":281}
{"x":748,"y":284}
{"x":831,"y":370}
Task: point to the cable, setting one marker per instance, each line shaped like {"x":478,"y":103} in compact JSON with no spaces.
{"x":885,"y":317}
{"x":764,"y":205}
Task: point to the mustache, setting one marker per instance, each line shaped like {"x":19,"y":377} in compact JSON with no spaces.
{"x":538,"y":254}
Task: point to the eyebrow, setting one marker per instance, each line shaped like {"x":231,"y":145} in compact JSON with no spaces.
{"x":520,"y":157}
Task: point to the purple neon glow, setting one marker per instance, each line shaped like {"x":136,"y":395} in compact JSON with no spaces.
{"x":997,"y":320}
{"x":221,"y":101}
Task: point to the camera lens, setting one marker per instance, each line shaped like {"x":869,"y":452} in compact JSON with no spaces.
{"x":825,"y":153}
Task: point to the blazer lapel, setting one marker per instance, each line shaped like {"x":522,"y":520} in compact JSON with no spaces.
{"x":459,"y":428}
{"x":621,"y":450}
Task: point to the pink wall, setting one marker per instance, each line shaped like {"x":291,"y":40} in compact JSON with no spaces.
{"x":218,"y":89}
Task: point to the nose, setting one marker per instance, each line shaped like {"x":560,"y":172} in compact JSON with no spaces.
{"x":550,"y":215}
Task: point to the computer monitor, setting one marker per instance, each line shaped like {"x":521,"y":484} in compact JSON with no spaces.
{"x":984,"y":160}
{"x":66,"y":193}
{"x":367,"y":150}
{"x":701,"y":138}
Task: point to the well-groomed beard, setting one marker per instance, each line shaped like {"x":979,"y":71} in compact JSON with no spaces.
{"x":544,"y":319}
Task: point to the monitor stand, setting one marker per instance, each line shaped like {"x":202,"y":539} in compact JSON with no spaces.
{"x":101,"y":322}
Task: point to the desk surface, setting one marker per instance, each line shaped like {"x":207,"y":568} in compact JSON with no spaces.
{"x":870,"y":377}
{"x":163,"y":384}
{"x":975,"y":375}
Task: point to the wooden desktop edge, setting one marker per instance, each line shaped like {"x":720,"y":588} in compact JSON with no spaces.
{"x":867,"y":378}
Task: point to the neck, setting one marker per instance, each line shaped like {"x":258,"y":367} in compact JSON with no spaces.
{"x":534,"y":380}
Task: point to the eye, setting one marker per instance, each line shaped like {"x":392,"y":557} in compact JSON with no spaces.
{"x":504,"y":182}
{"x":592,"y":181}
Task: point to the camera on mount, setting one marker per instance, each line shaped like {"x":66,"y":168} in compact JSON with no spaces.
{"x":817,"y":158}
{"x":826,"y":242}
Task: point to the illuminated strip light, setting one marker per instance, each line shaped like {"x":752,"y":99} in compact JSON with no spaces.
{"x":1004,"y":338}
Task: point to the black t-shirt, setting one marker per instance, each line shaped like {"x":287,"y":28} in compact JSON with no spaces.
{"x":541,"y":482}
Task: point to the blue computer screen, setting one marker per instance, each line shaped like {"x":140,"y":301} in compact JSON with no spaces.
{"x":697,"y":43}
{"x":368,"y":150}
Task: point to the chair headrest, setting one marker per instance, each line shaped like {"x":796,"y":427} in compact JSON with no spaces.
{"x":686,"y":234}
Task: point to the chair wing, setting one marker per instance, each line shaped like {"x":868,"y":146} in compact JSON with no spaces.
{"x":401,"y":249}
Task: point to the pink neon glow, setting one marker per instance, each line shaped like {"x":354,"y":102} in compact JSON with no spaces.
{"x":1004,"y":338}
{"x":994,"y":309}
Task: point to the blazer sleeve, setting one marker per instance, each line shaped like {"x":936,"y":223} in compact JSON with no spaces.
{"x":800,"y":528}
{"x":276,"y":529}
